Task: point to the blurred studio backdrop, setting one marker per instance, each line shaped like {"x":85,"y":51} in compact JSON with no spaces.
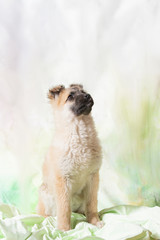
{"x":112,"y":47}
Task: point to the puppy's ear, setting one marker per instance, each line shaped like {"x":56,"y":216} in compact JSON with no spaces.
{"x":53,"y":92}
{"x":79,"y":86}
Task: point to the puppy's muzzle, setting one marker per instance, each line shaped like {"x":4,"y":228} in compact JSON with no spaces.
{"x":83,"y":105}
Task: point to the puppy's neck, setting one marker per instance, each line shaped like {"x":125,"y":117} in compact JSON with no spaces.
{"x":67,"y":125}
{"x":74,"y":133}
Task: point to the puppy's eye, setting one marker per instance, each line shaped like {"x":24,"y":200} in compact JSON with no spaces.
{"x":70,"y":97}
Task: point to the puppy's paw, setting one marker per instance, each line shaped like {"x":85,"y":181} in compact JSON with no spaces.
{"x":99,"y":224}
{"x":63,"y":227}
{"x":93,"y":218}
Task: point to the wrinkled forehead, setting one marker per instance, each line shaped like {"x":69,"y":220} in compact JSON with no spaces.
{"x":76,"y":86}
{"x":76,"y":90}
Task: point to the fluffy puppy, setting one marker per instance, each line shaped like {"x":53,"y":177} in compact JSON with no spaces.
{"x":71,"y":167}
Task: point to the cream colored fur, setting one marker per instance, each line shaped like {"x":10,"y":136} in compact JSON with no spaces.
{"x":70,"y":170}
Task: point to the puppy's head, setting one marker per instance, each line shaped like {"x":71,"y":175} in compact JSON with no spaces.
{"x":73,"y":99}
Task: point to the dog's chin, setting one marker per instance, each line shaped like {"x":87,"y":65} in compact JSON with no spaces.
{"x":82,"y":110}
{"x":87,"y":111}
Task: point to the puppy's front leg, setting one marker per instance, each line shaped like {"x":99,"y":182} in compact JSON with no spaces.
{"x":91,"y":201}
{"x":63,"y":204}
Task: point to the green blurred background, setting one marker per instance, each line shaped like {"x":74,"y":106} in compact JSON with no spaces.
{"x":112,"y":48}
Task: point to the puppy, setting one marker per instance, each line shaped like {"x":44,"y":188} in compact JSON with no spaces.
{"x":71,"y":167}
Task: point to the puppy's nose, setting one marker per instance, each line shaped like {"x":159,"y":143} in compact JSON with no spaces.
{"x":87,"y":96}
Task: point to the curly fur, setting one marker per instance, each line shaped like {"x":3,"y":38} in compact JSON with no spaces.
{"x":70,"y":170}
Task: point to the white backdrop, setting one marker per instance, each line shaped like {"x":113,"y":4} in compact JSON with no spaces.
{"x":112,"y":47}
